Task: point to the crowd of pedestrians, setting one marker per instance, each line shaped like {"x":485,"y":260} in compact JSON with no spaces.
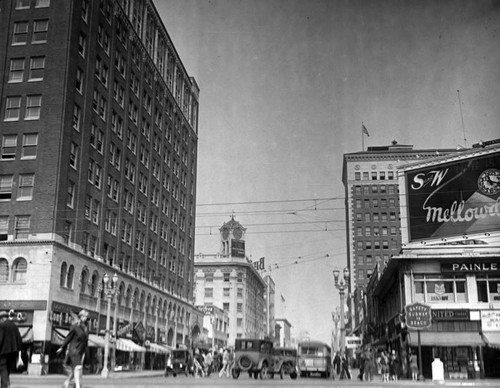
{"x":387,"y":364}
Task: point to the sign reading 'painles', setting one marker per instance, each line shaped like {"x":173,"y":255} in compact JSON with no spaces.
{"x":454,"y":198}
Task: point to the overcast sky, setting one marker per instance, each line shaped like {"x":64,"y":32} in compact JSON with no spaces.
{"x":285,"y":86}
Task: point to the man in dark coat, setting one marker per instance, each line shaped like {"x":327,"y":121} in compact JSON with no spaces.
{"x":10,"y":348}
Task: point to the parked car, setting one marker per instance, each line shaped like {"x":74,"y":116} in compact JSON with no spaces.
{"x":182,"y":362}
{"x":254,"y":356}
{"x":285,"y":362}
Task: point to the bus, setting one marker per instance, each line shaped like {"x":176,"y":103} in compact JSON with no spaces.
{"x":314,"y":357}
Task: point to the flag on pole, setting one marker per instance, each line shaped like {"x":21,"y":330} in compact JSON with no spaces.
{"x":364,"y":130}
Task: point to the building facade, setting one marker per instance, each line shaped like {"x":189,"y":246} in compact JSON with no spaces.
{"x":449,"y":262}
{"x":99,"y":132}
{"x":373,"y":224}
{"x":228,"y":280}
{"x":284,"y":338}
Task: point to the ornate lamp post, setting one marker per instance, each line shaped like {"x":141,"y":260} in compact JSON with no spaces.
{"x":336,"y":319}
{"x":341,"y":285}
{"x":109,"y":289}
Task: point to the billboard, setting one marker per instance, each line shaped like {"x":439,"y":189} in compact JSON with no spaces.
{"x":454,"y":199}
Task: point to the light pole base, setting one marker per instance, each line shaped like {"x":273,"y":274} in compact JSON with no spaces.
{"x":105,"y":373}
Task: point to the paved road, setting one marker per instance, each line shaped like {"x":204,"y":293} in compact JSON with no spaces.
{"x":157,"y":380}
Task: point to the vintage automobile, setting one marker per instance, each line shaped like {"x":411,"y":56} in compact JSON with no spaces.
{"x":182,"y":362}
{"x":284,"y":362}
{"x":254,"y":356}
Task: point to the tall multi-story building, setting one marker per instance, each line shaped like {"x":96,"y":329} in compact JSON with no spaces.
{"x":228,"y":280}
{"x":99,"y":134}
{"x":373,"y":222}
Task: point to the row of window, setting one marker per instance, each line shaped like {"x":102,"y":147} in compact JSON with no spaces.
{"x":35,"y":32}
{"x":27,"y":4}
{"x":24,"y":190}
{"x":375,"y":189}
{"x":34,"y":72}
{"x":16,"y":274}
{"x":453,"y":289}
{"x":209,"y":277}
{"x":226,"y":292}
{"x":12,"y":145}
{"x":374,"y":175}
{"x":14,"y":107}
{"x":375,"y":203}
{"x":21,"y":227}
{"x":376,"y":217}
{"x":368,"y":231}
{"x":92,"y":286}
{"x":376,"y":244}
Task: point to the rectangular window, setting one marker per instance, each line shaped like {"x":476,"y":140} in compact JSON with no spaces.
{"x":82,"y":43}
{"x":209,"y":292}
{"x":16,"y":73}
{"x":77,"y":112}
{"x":6,"y":187}
{"x":73,"y":155}
{"x":12,"y":108}
{"x":37,"y":67}
{"x":70,"y":199}
{"x":79,"y":80}
{"x":42,"y":3}
{"x":22,"y":227}
{"x":33,"y":107}
{"x":40,"y":28}
{"x":20,"y":35}
{"x":4,"y":233}
{"x":23,"y":4}
{"x":374,"y":175}
{"x":9,"y":145}
{"x":25,"y":189}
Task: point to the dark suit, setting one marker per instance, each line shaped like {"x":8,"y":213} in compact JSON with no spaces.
{"x":10,"y":345}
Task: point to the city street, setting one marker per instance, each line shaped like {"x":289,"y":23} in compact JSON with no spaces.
{"x":140,"y":381}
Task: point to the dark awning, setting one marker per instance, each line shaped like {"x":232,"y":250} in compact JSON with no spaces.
{"x":439,"y":338}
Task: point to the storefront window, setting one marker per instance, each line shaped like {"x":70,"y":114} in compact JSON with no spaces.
{"x":438,"y":288}
{"x":488,"y":289}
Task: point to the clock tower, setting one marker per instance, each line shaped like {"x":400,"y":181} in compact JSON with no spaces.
{"x":232,"y":238}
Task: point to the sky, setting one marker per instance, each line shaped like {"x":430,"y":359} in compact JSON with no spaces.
{"x":285,"y":87}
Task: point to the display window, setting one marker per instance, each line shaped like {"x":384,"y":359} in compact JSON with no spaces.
{"x":437,"y":288}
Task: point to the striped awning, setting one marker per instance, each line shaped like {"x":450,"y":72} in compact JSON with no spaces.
{"x":127,"y":345}
{"x":58,"y":335}
{"x":96,"y":341}
{"x":157,"y":348}
{"x":492,"y":338}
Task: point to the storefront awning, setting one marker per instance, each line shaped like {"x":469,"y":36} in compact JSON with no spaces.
{"x":157,"y":348}
{"x":26,"y":334}
{"x":127,"y":345}
{"x":439,"y":338}
{"x":492,"y":338}
{"x":58,"y":335}
{"x":96,"y":341}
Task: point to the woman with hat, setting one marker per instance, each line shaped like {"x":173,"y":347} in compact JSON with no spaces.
{"x":75,"y":345}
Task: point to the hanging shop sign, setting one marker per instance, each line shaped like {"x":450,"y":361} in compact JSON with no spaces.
{"x":418,"y":316}
{"x":237,"y":248}
{"x":490,"y":320}
{"x":453,"y":199}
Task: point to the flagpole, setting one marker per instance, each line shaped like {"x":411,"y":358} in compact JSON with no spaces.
{"x":362,"y":138}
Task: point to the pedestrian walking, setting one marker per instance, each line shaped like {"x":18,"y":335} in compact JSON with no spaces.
{"x":361,"y":364}
{"x":384,"y":366}
{"x":225,"y":363}
{"x":413,"y":366}
{"x":337,"y":363}
{"x":74,"y":347}
{"x":369,"y":365}
{"x":345,"y":367}
{"x":10,"y":349}
{"x":394,"y":366}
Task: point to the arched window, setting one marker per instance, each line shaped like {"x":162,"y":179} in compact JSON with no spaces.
{"x":4,"y":271}
{"x":93,"y":285}
{"x":84,"y":281}
{"x":64,"y":272}
{"x":119,"y":297}
{"x":19,"y":270}
{"x":70,"y":277}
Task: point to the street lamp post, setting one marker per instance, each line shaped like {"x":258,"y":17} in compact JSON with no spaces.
{"x":336,"y":319}
{"x":109,"y":290}
{"x":341,"y":284}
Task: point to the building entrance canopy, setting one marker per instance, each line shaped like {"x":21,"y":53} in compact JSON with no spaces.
{"x":439,"y":338}
{"x":492,"y":338}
